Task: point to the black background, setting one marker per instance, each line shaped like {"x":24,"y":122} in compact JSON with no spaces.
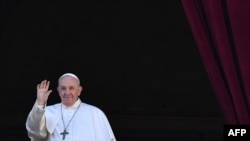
{"x":134,"y":59}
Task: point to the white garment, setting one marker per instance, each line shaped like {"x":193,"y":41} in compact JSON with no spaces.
{"x":88,"y":124}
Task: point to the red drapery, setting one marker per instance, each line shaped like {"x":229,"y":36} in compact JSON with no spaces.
{"x":221,"y":29}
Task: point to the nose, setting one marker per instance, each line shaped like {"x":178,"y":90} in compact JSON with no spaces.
{"x":67,"y":91}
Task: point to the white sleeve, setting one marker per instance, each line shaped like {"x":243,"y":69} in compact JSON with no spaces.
{"x":35,"y":123}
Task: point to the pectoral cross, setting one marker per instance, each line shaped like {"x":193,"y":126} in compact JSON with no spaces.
{"x":64,"y":133}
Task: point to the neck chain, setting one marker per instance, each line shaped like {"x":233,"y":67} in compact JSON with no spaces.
{"x":64,"y":133}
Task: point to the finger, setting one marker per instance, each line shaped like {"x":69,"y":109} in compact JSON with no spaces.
{"x":47,"y":85}
{"x":43,"y":84}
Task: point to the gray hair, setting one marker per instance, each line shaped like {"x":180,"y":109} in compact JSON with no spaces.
{"x":69,"y":74}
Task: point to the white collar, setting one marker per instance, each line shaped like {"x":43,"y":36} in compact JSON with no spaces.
{"x":74,"y":106}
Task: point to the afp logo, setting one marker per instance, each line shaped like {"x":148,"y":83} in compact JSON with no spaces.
{"x":236,"y":132}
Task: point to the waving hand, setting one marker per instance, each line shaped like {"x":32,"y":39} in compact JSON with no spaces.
{"x":43,"y":92}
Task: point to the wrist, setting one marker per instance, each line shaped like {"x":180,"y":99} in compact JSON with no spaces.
{"x":40,"y":103}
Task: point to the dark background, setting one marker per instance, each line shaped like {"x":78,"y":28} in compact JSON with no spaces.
{"x":137,"y":60}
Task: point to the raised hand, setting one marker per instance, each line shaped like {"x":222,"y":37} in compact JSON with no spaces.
{"x":43,"y":92}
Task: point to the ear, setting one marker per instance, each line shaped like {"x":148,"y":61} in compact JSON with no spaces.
{"x":80,"y":89}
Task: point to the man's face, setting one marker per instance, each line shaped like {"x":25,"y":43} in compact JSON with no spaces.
{"x":69,"y":90}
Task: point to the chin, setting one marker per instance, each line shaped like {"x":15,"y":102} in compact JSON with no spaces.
{"x":68,"y":103}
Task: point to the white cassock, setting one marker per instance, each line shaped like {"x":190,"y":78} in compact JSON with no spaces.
{"x":89,"y":123}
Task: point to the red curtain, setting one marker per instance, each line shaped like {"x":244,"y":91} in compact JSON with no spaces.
{"x":221,"y":29}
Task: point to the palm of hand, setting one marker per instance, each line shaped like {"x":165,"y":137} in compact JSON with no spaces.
{"x":43,"y":92}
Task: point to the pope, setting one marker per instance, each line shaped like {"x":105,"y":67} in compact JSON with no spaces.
{"x":69,"y":120}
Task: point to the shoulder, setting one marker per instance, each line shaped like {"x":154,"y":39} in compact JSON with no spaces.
{"x":91,"y":108}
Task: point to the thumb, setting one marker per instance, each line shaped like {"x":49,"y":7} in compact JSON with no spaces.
{"x":48,"y":92}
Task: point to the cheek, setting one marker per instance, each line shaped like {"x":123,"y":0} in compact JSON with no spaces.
{"x":60,"y":93}
{"x":78,"y":93}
